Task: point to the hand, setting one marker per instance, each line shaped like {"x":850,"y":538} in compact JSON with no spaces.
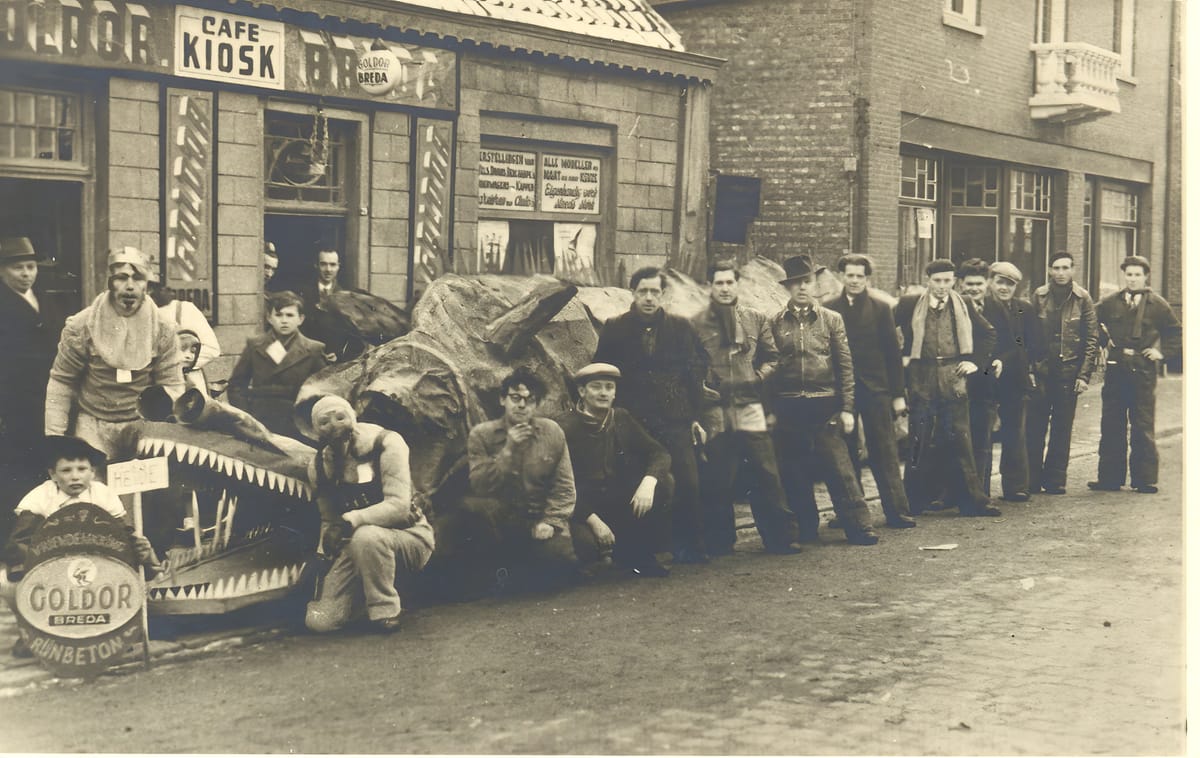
{"x":699,"y":436}
{"x":643,"y":498}
{"x":350,"y":520}
{"x":1152,"y":353}
{"x":904,"y":361}
{"x":604,"y":535}
{"x":542,"y":531}
{"x":847,"y":422}
{"x":519,"y":434}
{"x":1080,"y":386}
{"x":1033,"y":380}
{"x":710,"y":395}
{"x":330,"y":357}
{"x":145,"y":551}
{"x":997,"y":367}
{"x":965,"y":368}
{"x":899,"y":406}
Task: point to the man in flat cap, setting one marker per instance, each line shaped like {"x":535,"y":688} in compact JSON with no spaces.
{"x":941,"y":349}
{"x":623,"y":481}
{"x":1070,"y":333}
{"x":813,"y":397}
{"x":29,"y":329}
{"x":109,"y":353}
{"x":1140,"y":330}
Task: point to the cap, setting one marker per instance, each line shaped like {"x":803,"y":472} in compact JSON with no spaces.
{"x":597,"y":371}
{"x":1005,"y":269}
{"x":13,"y":249}
{"x":939,"y":266}
{"x":131,"y":255}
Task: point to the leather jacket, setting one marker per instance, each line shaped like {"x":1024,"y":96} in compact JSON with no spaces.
{"x":738,"y":372}
{"x":1074,"y":342}
{"x":814,"y":356}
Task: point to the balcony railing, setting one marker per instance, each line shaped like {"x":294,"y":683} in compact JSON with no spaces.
{"x":1075,"y":82}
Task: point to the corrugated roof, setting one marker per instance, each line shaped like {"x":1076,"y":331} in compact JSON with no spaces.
{"x":632,"y":21}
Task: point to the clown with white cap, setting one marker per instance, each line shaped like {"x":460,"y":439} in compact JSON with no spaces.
{"x":109,"y":353}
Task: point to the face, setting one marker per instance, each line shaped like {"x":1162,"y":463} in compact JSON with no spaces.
{"x":1135,"y":278}
{"x":128,"y":288}
{"x":802,"y":291}
{"x":598,"y":395}
{"x":1003,"y":288}
{"x":647,"y":296}
{"x":270,"y":266}
{"x":328,"y":266}
{"x":189,"y":349}
{"x":519,"y":405}
{"x":20,"y":275}
{"x":941,"y":283}
{"x":1062,"y":271}
{"x":72,"y":476}
{"x":333,"y":425}
{"x":724,"y":287}
{"x":285,"y":321}
{"x":854,"y":279}
{"x":974,"y":287}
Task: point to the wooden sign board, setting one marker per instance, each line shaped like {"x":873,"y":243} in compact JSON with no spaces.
{"x":140,"y":475}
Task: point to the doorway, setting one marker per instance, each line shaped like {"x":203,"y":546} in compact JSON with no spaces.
{"x":298,"y":239}
{"x":50,"y":214}
{"x":1029,"y":246}
{"x":972,"y":237}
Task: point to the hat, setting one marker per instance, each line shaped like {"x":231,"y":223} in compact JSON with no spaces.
{"x":939,"y":266}
{"x":1136,"y":260}
{"x":56,"y":447}
{"x":797,"y":267}
{"x":331,"y":402}
{"x":1005,"y":269}
{"x":269,"y":249}
{"x":132,"y":256}
{"x":13,"y":249}
{"x":596,"y":371}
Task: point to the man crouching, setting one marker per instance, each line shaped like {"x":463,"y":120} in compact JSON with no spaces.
{"x":377,"y":535}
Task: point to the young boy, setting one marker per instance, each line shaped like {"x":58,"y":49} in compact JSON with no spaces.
{"x":274,"y":365}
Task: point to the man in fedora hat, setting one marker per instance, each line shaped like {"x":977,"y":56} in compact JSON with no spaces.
{"x":109,"y":353}
{"x":1141,"y":330}
{"x":29,"y":329}
{"x":945,"y":341}
{"x":623,"y":481}
{"x":813,"y":389}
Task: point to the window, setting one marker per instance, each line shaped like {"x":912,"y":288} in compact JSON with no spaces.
{"x":918,"y":178}
{"x":306,"y":159}
{"x":1123,"y":29}
{"x":1084,"y":266}
{"x":1051,"y":21}
{"x":39,"y":126}
{"x":1118,"y":221}
{"x":918,"y":217}
{"x":1030,"y":191}
{"x":963,"y":14}
{"x":975,"y":186}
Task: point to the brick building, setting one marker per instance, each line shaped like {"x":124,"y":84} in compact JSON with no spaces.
{"x":414,"y":137}
{"x":912,"y":130}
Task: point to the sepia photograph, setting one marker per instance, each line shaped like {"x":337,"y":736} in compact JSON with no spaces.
{"x":600,"y":377}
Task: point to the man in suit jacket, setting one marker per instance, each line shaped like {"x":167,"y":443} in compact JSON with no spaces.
{"x":274,"y":365}
{"x":940,"y":352}
{"x":878,"y":381}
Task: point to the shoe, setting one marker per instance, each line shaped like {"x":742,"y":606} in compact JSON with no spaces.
{"x":691,"y":555}
{"x":790,"y":548}
{"x":1017,"y":497}
{"x":938,"y":505}
{"x":865,"y":536}
{"x":1054,"y":490}
{"x":650,"y":569}
{"x":1146,"y":489}
{"x":901,"y":522}
{"x":983,"y":510}
{"x":834,"y":523}
{"x":1102,"y":487}
{"x":387,"y":625}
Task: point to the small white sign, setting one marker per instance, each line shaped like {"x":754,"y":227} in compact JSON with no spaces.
{"x":141,"y":475}
{"x":570,"y":184}
{"x":227,"y":48}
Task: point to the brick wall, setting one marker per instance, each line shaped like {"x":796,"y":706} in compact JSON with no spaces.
{"x":782,"y":110}
{"x":643,"y":111}
{"x":390,"y":206}
{"x":134,"y":182}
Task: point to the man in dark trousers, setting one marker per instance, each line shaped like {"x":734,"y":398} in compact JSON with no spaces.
{"x":741,"y":354}
{"x":940,"y":351}
{"x":878,"y":381}
{"x":623,"y":482}
{"x":663,"y":365}
{"x":1070,"y":333}
{"x":813,"y":395}
{"x":29,"y":329}
{"x":1140,"y":329}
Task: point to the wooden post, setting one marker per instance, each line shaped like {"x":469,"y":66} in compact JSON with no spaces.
{"x":137,"y":530}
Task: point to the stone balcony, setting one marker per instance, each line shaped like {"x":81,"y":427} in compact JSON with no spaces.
{"x":1075,"y":82}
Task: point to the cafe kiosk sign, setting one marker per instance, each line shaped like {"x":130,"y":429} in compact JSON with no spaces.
{"x":227,"y":48}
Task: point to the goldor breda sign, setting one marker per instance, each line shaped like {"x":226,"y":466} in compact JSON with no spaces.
{"x":78,"y":604}
{"x":227,"y":48}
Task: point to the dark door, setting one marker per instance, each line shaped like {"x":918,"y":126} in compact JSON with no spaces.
{"x":50,"y":214}
{"x":298,"y":239}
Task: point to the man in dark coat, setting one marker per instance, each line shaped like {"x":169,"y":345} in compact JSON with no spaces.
{"x":1140,"y":329}
{"x":29,"y":330}
{"x":623,"y":482}
{"x":663,"y":365}
{"x":940,"y":351}
{"x":878,"y":381}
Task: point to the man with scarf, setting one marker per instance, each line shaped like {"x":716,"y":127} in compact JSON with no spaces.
{"x":663,"y":365}
{"x":742,"y":356}
{"x":108,"y":354}
{"x":370,"y":525}
{"x":623,"y":479}
{"x":1140,"y":330}
{"x":1070,"y":333}
{"x":940,"y":351}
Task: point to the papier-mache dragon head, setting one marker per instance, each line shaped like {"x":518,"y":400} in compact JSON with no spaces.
{"x":238,"y":521}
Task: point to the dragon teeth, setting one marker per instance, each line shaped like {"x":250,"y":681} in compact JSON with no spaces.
{"x":239,"y":469}
{"x":168,"y":447}
{"x":260,"y":475}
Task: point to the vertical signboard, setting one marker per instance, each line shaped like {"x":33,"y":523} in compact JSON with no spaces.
{"x":431,"y":225}
{"x":188,"y":197}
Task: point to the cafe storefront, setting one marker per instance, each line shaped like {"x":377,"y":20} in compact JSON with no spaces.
{"x":480,"y":136}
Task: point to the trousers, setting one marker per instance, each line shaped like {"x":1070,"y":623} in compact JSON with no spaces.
{"x":940,"y":454}
{"x":1051,"y":406}
{"x":883,"y":455}
{"x":685,"y":508}
{"x":727,"y":451}
{"x":1127,"y":405}
{"x":636,"y":540}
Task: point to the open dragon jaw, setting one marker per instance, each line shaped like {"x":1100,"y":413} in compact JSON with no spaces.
{"x":238,"y":523}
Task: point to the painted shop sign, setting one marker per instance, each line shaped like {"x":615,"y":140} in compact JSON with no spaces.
{"x":223,"y":47}
{"x":507,"y":180}
{"x":188,"y":197}
{"x":78,"y":606}
{"x":570,"y":184}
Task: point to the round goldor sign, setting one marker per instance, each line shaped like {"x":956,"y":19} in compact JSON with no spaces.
{"x":78,"y":597}
{"x":378,"y":71}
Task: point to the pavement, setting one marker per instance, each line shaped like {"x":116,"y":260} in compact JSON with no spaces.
{"x":935,"y":612}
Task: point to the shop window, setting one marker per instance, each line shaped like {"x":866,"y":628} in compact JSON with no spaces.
{"x":39,"y":126}
{"x":1118,"y":221}
{"x":1030,"y":191}
{"x":539,"y":212}
{"x":306,"y":159}
{"x":975,"y":186}
{"x":918,"y":178}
